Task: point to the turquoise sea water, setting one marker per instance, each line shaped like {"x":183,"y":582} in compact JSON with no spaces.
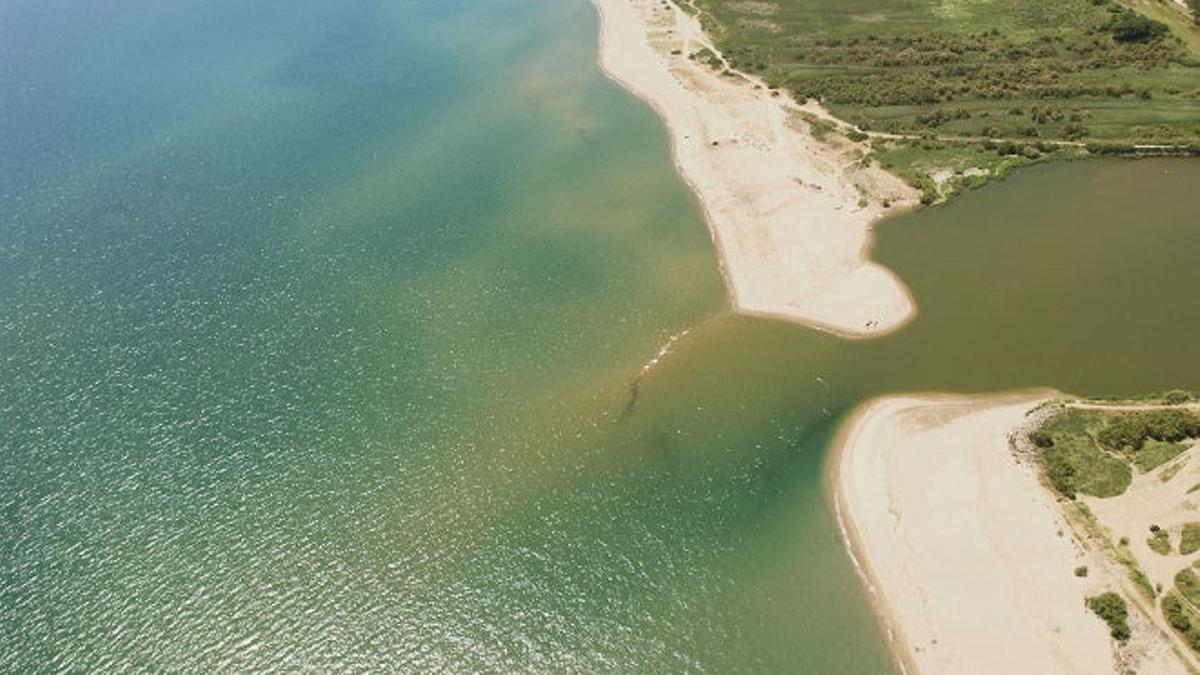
{"x":324,"y":344}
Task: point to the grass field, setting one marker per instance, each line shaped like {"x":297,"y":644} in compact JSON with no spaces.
{"x":945,"y":74}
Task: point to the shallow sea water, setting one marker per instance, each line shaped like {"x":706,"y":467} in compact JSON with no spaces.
{"x":327,"y":338}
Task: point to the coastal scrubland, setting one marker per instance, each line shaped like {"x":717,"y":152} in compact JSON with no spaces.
{"x":953,"y":93}
{"x":1095,"y":450}
{"x":1124,"y":466}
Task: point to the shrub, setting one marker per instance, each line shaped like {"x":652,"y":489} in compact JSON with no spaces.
{"x":1129,"y":26}
{"x":1182,"y":619}
{"x":1075,"y":131}
{"x":1132,"y":431}
{"x":1160,"y":542}
{"x":1177,"y":396}
{"x":1176,"y":616}
{"x":1111,"y":608}
{"x":1189,"y":541}
{"x":1081,"y":571}
{"x":1188,"y":584}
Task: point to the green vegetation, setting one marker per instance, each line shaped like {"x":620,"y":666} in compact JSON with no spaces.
{"x":1136,"y":575}
{"x":1181,"y":22}
{"x":1170,"y":397}
{"x":1078,"y":466}
{"x":1170,"y":472}
{"x":1081,"y":571}
{"x":975,"y":84}
{"x":1189,"y":541}
{"x":1154,"y":455}
{"x":1131,"y":431}
{"x":1187,"y":583}
{"x":707,"y":57}
{"x":1074,"y":463}
{"x":1177,"y":396}
{"x":1182,"y":618}
{"x":958,"y":164}
{"x":1110,"y":607}
{"x":1160,"y":542}
{"x":1126,"y":25}
{"x":819,"y":128}
{"x":1092,"y":451}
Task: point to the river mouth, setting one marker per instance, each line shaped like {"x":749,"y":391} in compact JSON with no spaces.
{"x":325,"y":361}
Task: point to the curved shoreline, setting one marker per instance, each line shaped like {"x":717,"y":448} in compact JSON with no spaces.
{"x":938,"y":516}
{"x":789,"y":214}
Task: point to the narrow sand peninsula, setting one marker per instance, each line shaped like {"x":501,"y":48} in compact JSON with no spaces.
{"x":791,"y":215}
{"x":967,"y":555}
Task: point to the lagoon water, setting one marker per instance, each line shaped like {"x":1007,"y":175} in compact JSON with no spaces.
{"x":327,"y":339}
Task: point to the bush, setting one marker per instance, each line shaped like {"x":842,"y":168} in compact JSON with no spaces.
{"x":1111,"y":608}
{"x":1129,"y":26}
{"x":1160,"y":542}
{"x":1178,"y":396}
{"x":1176,"y":616}
{"x":1182,"y":620}
{"x":1189,"y":541}
{"x":1081,"y":571}
{"x":1111,"y":148}
{"x":1042,"y":439}
{"x":1188,"y":584}
{"x":1132,"y":431}
{"x":1074,"y":464}
{"x":1075,"y":131}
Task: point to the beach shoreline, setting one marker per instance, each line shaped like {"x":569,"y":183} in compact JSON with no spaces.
{"x":930,"y":538}
{"x":790,"y":215}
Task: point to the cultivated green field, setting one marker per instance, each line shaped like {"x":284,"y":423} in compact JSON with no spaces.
{"x":1043,"y":79}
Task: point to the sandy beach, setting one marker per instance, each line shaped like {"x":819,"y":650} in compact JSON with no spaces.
{"x":790,"y":214}
{"x":966,"y":555}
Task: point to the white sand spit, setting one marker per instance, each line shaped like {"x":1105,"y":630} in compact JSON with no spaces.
{"x":967,"y":554}
{"x":790,"y":214}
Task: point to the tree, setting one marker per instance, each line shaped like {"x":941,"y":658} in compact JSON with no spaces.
{"x":1111,"y":608}
{"x":1129,"y":26}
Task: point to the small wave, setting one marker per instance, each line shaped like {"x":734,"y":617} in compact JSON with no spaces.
{"x":865,"y":578}
{"x":636,"y":383}
{"x":661,"y":353}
